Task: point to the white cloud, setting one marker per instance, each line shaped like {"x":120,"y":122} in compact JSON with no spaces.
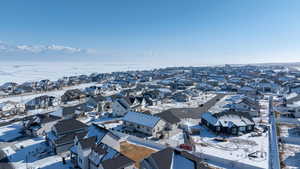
{"x":4,"y":47}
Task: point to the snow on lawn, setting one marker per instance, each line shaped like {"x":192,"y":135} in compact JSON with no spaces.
{"x":33,"y":153}
{"x":193,"y":103}
{"x":235,"y":148}
{"x":10,"y":132}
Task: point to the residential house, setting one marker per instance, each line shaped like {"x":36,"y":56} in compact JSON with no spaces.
{"x":41,"y":102}
{"x":228,"y":122}
{"x":292,"y":105}
{"x":62,"y":134}
{"x":9,"y":87}
{"x":67,"y":112}
{"x":9,"y":108}
{"x":144,"y":123}
{"x":96,"y":102}
{"x":170,"y":158}
{"x":246,"y":90}
{"x":244,"y":104}
{"x":39,"y":124}
{"x":181,"y":97}
{"x":93,"y":90}
{"x":99,"y":150}
{"x":72,"y":95}
{"x":172,"y":121}
{"x":120,"y":107}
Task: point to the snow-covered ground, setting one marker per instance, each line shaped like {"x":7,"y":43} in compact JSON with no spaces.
{"x":31,"y":71}
{"x":235,"y":148}
{"x":33,"y":153}
{"x":193,"y":103}
{"x":10,"y":132}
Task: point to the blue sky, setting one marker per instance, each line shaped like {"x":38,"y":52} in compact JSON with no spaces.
{"x":157,"y":31}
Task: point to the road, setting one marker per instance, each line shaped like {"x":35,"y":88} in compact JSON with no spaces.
{"x":274,"y":160}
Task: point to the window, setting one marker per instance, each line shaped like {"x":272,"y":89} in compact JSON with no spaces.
{"x":249,"y":127}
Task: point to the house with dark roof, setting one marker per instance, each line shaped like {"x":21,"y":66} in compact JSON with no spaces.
{"x":244,"y":104}
{"x":246,"y":90}
{"x":72,"y":95}
{"x":172,"y":121}
{"x":181,"y":97}
{"x":170,"y":158}
{"x":62,"y":134}
{"x":291,"y":105}
{"x":82,"y":148}
{"x":66,"y":112}
{"x":39,"y":124}
{"x":228,"y":122}
{"x":96,"y":103}
{"x":144,"y":123}
{"x":97,"y":150}
{"x":120,"y":107}
{"x":103,"y":156}
{"x":41,"y":102}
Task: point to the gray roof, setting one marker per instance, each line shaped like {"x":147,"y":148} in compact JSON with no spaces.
{"x":69,"y":125}
{"x":169,"y":117}
{"x":141,"y":118}
{"x":118,"y":162}
{"x":87,"y":142}
{"x":193,"y":113}
{"x":166,"y":158}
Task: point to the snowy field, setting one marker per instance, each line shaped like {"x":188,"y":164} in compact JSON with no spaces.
{"x":32,"y":71}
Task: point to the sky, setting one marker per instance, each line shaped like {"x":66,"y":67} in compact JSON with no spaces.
{"x":192,"y":32}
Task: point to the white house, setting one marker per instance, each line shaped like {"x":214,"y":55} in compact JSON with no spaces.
{"x":144,"y":123}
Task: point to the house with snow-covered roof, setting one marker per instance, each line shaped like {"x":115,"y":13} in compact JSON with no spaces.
{"x":228,"y":122}
{"x":291,"y":105}
{"x":144,"y":123}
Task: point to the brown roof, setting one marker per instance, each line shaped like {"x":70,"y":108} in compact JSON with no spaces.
{"x":135,"y":152}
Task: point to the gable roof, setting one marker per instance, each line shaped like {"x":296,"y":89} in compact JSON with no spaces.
{"x":193,"y":113}
{"x":170,"y":158}
{"x":228,"y":118}
{"x":69,"y":138}
{"x":168,"y":117}
{"x":118,"y":162}
{"x":141,"y":118}
{"x":87,"y":142}
{"x":69,"y":125}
